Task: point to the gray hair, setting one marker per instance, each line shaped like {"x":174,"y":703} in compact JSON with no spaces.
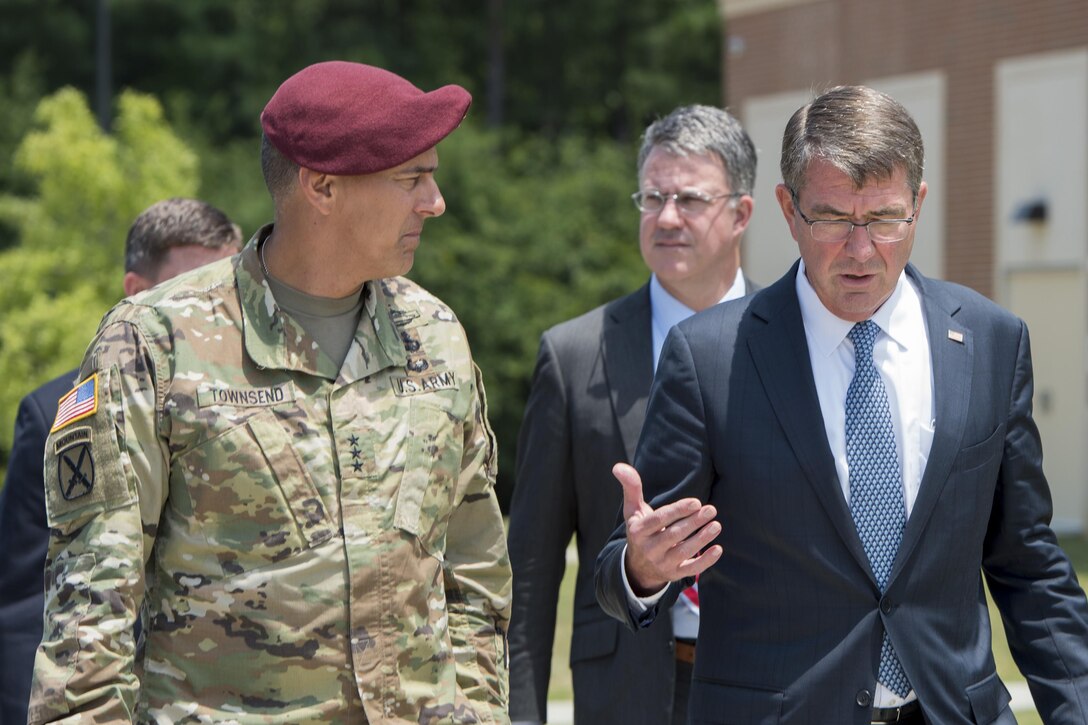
{"x":864,"y":133}
{"x":280,"y":173}
{"x":176,"y":222}
{"x":699,"y":130}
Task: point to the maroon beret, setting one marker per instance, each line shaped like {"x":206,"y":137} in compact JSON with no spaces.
{"x":349,"y":118}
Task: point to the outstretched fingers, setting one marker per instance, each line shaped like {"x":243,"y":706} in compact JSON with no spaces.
{"x":665,"y":544}
{"x":631,"y":482}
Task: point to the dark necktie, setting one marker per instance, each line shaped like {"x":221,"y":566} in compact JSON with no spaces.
{"x":876,"y":488}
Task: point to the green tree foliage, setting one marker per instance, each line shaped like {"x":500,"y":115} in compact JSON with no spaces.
{"x":65,"y":267}
{"x":608,"y":67}
{"x":230,"y":178}
{"x":534,"y":233}
{"x":19,"y":94}
{"x":228,"y":58}
{"x":56,"y":36}
{"x":539,"y":226}
{"x":568,"y":66}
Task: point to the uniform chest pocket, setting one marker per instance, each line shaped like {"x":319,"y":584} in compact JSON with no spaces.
{"x":432,"y":465}
{"x":251,"y":496}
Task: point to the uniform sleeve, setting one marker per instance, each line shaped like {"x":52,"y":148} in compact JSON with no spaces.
{"x":106,"y":474}
{"x":477,"y":571}
{"x":542,"y":521}
{"x":1031,"y":580}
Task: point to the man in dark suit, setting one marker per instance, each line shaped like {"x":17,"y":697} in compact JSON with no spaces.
{"x":696,"y":169}
{"x":168,"y":238}
{"x":843,"y":457}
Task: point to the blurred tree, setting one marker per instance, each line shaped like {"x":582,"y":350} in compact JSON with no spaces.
{"x":19,"y":95}
{"x":230,"y":178}
{"x":59,"y":34}
{"x":608,"y":67}
{"x":64,"y":270}
{"x":534,"y":233}
{"x":551,"y":66}
{"x":226,"y":59}
{"x":539,"y":226}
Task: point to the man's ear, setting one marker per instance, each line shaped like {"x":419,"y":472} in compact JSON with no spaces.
{"x":316,"y":188}
{"x":135,"y":282}
{"x":742,"y":213}
{"x":785,"y":200}
{"x":923,"y":189}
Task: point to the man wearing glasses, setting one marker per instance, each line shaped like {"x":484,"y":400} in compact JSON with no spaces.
{"x":844,"y":457}
{"x":696,"y":169}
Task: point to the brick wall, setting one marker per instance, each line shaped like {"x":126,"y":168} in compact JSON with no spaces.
{"x":830,"y":42}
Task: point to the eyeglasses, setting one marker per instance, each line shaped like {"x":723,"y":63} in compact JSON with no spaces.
{"x":832,"y":231}
{"x":690,"y":203}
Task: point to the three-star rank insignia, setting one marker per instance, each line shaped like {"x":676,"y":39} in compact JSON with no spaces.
{"x":75,"y":463}
{"x":356,"y":454}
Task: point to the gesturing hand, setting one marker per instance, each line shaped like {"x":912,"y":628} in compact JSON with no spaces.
{"x":667,"y":544}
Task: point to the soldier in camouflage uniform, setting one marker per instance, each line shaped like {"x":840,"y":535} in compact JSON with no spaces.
{"x":308,"y":519}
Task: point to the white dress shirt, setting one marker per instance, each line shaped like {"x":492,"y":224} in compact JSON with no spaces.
{"x":901,"y":355}
{"x":666,"y":311}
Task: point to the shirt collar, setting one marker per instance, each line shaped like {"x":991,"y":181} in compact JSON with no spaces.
{"x":900,"y":317}
{"x":668,"y":311}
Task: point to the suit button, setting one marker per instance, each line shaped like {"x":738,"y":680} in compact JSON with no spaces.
{"x":886,"y":605}
{"x":864,"y":698}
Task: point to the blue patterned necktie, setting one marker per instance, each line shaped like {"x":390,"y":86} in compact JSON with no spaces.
{"x":876,"y":489}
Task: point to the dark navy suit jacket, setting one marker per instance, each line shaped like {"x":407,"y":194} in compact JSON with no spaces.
{"x":792,"y":618}
{"x":24,"y":538}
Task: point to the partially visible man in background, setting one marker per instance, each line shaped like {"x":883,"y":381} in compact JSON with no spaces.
{"x":696,"y":170}
{"x":168,"y":238}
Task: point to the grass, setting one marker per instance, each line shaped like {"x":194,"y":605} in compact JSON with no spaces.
{"x":560,"y":687}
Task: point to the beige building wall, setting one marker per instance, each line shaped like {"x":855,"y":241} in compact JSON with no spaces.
{"x":1000,"y":90}
{"x":781,"y":46}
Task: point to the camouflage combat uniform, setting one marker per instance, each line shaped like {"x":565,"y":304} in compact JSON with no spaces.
{"x":319,"y":544}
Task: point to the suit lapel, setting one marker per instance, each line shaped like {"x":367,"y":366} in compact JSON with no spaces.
{"x":951,"y":348}
{"x":780,"y":355}
{"x":627,"y":349}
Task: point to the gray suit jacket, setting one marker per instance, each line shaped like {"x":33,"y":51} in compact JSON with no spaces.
{"x":584,"y":414}
{"x":792,"y":618}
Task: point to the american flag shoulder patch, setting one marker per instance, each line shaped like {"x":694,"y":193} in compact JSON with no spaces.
{"x":79,"y":403}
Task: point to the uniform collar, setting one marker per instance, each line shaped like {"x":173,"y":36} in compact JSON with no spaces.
{"x":274,"y":339}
